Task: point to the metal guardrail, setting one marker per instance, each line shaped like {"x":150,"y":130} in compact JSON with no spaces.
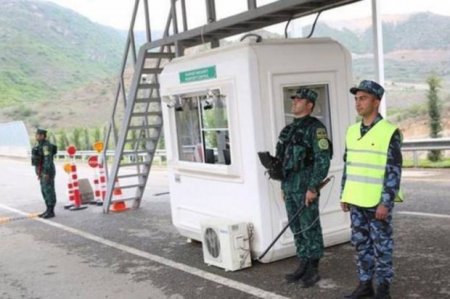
{"x":160,"y":155}
{"x":415,"y":145}
{"x":418,"y":145}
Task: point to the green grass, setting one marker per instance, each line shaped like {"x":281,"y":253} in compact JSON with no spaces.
{"x":424,"y":163}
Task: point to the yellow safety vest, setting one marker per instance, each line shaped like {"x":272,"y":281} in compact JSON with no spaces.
{"x":366,"y":163}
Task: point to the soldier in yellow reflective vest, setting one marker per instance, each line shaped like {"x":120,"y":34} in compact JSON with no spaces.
{"x":370,"y":184}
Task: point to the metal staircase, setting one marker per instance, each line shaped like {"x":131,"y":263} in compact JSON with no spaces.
{"x":135,"y":126}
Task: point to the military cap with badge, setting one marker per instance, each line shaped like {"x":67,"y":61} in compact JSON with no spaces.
{"x":369,"y":86}
{"x":305,"y":93}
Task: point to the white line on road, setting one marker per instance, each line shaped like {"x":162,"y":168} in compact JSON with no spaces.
{"x":424,"y":214}
{"x":158,"y":259}
{"x":434,"y":180}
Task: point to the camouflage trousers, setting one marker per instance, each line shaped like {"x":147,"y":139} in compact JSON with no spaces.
{"x":306,"y":229}
{"x":372,"y":239}
{"x":48,"y":190}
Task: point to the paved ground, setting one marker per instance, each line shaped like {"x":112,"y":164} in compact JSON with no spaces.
{"x":138,"y":254}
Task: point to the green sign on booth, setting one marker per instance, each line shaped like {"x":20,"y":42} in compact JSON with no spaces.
{"x":198,"y":74}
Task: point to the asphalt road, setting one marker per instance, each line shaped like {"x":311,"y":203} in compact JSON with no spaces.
{"x":139,"y":254}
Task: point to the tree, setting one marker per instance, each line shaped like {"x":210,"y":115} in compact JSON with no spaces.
{"x":62,"y":140}
{"x":97,"y":135}
{"x":52,"y":138}
{"x":87,"y":142}
{"x":434,"y":84}
{"x":76,"y":134}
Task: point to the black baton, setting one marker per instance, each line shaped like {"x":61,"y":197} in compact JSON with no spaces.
{"x":324,"y":182}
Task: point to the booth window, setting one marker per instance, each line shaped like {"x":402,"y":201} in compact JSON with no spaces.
{"x":321,"y":109}
{"x":202,"y":128}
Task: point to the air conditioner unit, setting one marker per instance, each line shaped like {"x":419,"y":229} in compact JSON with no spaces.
{"x":226,"y":244}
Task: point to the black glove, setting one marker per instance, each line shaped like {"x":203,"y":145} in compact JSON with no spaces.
{"x":272,"y":164}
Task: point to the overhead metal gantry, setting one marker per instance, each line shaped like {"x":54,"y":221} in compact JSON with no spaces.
{"x":136,"y":121}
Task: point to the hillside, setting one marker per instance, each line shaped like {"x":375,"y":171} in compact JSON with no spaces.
{"x":49,"y":54}
{"x":414,"y":46}
{"x":47,"y":50}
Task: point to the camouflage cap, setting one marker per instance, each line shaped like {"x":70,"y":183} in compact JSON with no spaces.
{"x":41,"y":131}
{"x":371,"y":87}
{"x":305,"y":93}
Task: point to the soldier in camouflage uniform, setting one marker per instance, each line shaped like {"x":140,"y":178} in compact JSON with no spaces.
{"x":42,"y":159}
{"x":369,"y":188}
{"x":304,"y":149}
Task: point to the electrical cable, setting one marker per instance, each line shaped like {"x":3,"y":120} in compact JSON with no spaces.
{"x":258,"y":37}
{"x":286,"y":27}
{"x":314,"y":25}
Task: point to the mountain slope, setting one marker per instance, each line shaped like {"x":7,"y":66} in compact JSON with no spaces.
{"x":46,"y":50}
{"x":418,"y":31}
{"x":414,"y":47}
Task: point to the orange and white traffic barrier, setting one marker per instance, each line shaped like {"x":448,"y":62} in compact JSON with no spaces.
{"x":118,"y":205}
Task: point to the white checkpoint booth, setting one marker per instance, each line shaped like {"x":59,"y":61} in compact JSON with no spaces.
{"x":223,"y":106}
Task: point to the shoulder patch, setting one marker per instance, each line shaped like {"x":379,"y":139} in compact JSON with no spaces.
{"x":46,"y":150}
{"x":323,"y":144}
{"x":321,"y":133}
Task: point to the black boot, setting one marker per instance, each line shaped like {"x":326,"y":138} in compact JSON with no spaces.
{"x":298,"y":273}
{"x":41,"y":215}
{"x":364,"y":289}
{"x":50,"y":213}
{"x":311,"y":275}
{"x":383,"y":291}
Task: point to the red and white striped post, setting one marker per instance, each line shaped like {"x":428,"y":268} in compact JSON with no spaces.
{"x":71,"y":150}
{"x":70,"y":195}
{"x":100,"y":174}
{"x":102,"y":181}
{"x":93,"y":162}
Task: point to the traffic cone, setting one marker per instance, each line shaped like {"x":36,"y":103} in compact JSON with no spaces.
{"x":118,"y":205}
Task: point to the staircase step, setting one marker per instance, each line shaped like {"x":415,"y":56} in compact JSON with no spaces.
{"x":138,"y":163}
{"x":149,"y":85}
{"x":151,"y":71}
{"x":144,"y":127}
{"x":131,"y":186}
{"x":131,"y":175}
{"x":148,"y":100}
{"x":136,"y":152}
{"x":164,"y":55}
{"x":142,"y":139}
{"x":148,"y":113}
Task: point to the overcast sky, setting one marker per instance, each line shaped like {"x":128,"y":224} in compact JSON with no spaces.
{"x":117,"y":13}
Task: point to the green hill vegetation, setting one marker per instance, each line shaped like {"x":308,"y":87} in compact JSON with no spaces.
{"x":406,"y":46}
{"x":47,"y":50}
{"x":49,"y":54}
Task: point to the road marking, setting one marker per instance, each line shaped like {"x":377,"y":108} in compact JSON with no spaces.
{"x":26,"y":216}
{"x":158,"y":259}
{"x":424,"y":214}
{"x":425,"y":179}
